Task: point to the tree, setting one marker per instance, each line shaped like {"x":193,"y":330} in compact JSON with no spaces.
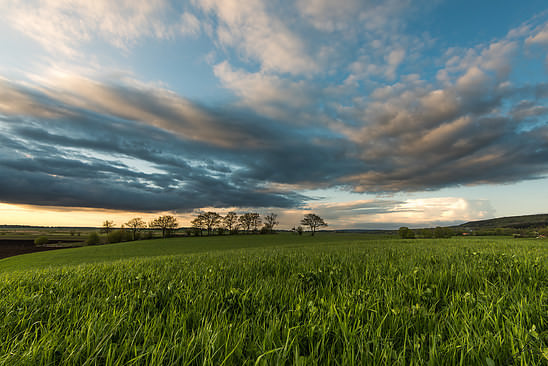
{"x":198,"y":225}
{"x":246,"y":221}
{"x":231,"y":221}
{"x":406,"y":233}
{"x":426,"y":233}
{"x":93,"y":239}
{"x":442,"y":232}
{"x":313,"y":221}
{"x":250,"y":220}
{"x":135,"y":225}
{"x":255,"y":220}
{"x":166,"y":223}
{"x":211,"y":220}
{"x":41,"y":240}
{"x":107,"y":226}
{"x":270,"y":221}
{"x":207,"y":220}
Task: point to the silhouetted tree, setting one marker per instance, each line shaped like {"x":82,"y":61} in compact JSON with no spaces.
{"x":166,"y":223}
{"x":107,"y":226}
{"x":135,"y":225}
{"x":231,"y":221}
{"x":211,"y":221}
{"x":313,"y":221}
{"x":270,"y":221}
{"x":250,"y":220}
{"x":198,"y":224}
{"x":256,"y":221}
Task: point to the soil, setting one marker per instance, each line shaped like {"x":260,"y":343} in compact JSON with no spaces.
{"x":10,"y":247}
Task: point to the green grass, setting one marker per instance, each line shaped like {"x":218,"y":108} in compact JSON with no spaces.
{"x":171,"y":246}
{"x":282,"y":299}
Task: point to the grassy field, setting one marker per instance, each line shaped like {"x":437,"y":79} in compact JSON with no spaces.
{"x":279,"y":299}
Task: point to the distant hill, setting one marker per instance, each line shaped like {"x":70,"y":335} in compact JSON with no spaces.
{"x":516,"y":222}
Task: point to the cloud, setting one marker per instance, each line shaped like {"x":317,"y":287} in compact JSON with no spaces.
{"x":43,"y":168}
{"x":330,"y":16}
{"x":268,"y":94}
{"x":540,"y":38}
{"x":14,"y":100}
{"x":255,"y":29}
{"x":62,"y":26}
{"x":190,"y":25}
{"x":325,"y":96}
{"x":419,"y":136}
{"x":158,"y":162}
{"x":412,"y":135}
{"x":150,"y":105}
{"x":391,"y":214}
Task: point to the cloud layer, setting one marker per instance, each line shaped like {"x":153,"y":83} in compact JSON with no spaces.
{"x":324,"y":95}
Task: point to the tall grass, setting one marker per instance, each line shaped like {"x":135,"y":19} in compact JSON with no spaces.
{"x":371,"y":302}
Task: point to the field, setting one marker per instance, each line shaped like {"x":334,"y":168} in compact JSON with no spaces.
{"x":279,"y":299}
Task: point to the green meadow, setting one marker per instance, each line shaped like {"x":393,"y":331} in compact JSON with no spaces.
{"x":334,"y":299}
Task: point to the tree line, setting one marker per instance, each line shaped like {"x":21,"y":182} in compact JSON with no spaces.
{"x":231,"y":223}
{"x":437,"y":232}
{"x":210,"y":223}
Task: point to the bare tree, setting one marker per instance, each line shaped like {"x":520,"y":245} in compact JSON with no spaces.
{"x":231,"y":221}
{"x":211,"y":220}
{"x":166,"y":223}
{"x":313,"y":221}
{"x":270,"y":221}
{"x":108,"y":226}
{"x":198,"y":224}
{"x":135,"y":225}
{"x":250,"y":220}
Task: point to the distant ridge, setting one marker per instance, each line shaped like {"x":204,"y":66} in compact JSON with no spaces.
{"x":516,"y":222}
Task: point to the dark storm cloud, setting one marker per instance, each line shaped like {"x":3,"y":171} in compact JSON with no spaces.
{"x":55,"y":161}
{"x":137,"y":148}
{"x":64,"y":182}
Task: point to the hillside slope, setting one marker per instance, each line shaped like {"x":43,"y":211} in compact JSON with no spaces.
{"x":517,"y":222}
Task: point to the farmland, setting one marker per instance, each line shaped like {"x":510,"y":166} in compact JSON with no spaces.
{"x":279,"y":299}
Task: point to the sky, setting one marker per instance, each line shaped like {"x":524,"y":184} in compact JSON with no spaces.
{"x":371,"y":114}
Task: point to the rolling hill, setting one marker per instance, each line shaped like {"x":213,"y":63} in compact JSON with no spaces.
{"x":516,"y":222}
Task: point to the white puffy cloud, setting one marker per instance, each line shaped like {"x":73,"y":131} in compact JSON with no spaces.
{"x":390,"y":214}
{"x":413,"y":131}
{"x":268,"y":94}
{"x":440,"y":210}
{"x":190,"y":24}
{"x":63,"y":26}
{"x":540,"y":37}
{"x":257,"y":31}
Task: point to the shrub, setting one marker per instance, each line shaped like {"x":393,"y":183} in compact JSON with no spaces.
{"x":118,"y":236}
{"x":442,"y":232}
{"x":41,"y":240}
{"x":427,"y":233}
{"x":93,"y":239}
{"x":146,"y":235}
{"x":406,"y":233}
